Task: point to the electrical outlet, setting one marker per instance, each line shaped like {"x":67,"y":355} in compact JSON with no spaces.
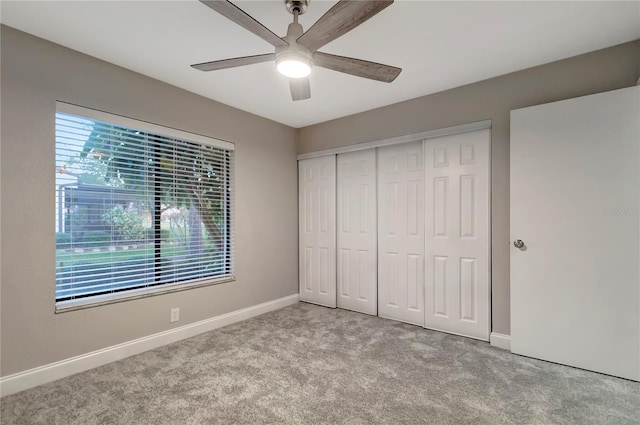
{"x":175,"y":314}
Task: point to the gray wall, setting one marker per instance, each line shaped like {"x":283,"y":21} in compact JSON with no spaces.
{"x":36,"y":73}
{"x":594,"y":72}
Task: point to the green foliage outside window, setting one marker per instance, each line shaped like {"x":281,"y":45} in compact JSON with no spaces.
{"x":127,"y":224}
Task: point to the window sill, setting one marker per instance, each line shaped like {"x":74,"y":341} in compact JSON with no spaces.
{"x":134,"y":294}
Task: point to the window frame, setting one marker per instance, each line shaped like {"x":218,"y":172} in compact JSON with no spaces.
{"x":154,"y":290}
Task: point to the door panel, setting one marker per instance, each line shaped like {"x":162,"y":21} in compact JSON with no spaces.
{"x":401,"y":233}
{"x":457,"y":275}
{"x":357,"y":240}
{"x":575,"y":197}
{"x":317,"y":229}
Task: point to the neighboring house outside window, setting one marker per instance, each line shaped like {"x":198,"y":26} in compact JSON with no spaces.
{"x":140,"y":208}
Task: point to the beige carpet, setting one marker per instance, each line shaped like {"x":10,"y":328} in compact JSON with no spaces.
{"x":312,"y":365}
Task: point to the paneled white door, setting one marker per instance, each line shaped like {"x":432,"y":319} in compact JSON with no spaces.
{"x":401,"y":233}
{"x":317,"y":231}
{"x":575,"y":205}
{"x":357,"y":228}
{"x":457,"y":288}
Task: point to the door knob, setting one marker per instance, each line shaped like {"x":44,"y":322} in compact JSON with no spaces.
{"x":518,"y":243}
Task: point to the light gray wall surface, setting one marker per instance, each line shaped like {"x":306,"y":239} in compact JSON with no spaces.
{"x":36,"y":73}
{"x":594,"y":72}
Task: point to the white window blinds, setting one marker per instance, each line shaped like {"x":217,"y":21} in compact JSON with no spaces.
{"x":139,"y":208}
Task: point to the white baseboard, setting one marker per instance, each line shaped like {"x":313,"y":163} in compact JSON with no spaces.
{"x":20,"y":381}
{"x":500,"y":341}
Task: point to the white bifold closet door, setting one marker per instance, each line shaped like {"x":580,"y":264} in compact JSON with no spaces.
{"x":317,"y":232}
{"x":401,"y":233}
{"x":457,"y":291}
{"x":356,"y":222}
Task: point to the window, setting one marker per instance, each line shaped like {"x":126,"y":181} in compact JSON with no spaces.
{"x":140,"y":208}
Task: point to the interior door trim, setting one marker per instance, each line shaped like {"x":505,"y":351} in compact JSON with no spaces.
{"x":430,"y":134}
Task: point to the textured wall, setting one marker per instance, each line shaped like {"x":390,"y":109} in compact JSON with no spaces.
{"x":599,"y":71}
{"x":36,"y":73}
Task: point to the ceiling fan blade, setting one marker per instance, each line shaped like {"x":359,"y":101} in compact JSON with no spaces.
{"x":340,"y":19}
{"x":237,"y":15}
{"x":358,"y":67}
{"x":300,"y":88}
{"x":234,"y":62}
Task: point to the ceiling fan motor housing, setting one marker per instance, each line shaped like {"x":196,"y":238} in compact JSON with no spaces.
{"x":294,"y":50}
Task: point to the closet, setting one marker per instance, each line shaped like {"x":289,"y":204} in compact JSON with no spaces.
{"x":317,"y":230}
{"x":357,"y":236}
{"x":401,"y":232}
{"x":400,"y":229}
{"x":457,"y":234}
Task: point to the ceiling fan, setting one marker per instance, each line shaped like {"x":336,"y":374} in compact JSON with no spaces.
{"x":297,"y":52}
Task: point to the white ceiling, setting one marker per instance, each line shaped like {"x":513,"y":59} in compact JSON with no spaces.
{"x":439,"y":45}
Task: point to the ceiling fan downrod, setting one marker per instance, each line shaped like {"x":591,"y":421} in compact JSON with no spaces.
{"x":294,"y":60}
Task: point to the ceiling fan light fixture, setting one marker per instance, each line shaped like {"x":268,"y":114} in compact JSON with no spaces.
{"x":297,"y":52}
{"x":294,"y":66}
